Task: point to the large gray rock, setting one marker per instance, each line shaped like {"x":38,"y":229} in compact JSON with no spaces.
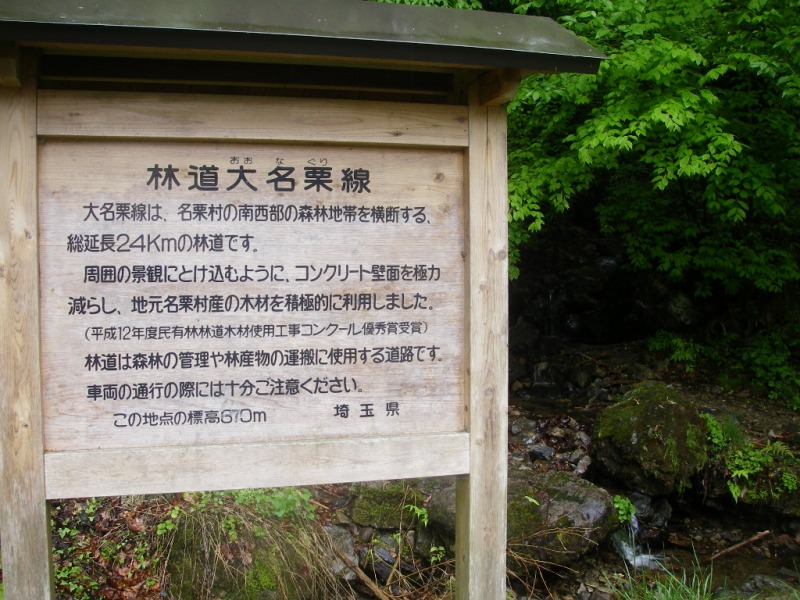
{"x":652,"y":441}
{"x":555,"y":517}
{"x":341,"y":539}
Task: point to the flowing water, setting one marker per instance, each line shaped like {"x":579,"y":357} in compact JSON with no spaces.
{"x":626,"y":543}
{"x":690,"y":538}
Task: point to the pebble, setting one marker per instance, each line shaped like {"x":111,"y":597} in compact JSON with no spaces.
{"x":577,"y":455}
{"x":542,"y":452}
{"x":583,"y":465}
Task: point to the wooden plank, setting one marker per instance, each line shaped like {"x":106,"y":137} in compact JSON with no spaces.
{"x":481,"y":496}
{"x":201,"y":117}
{"x":24,"y":519}
{"x":163,"y":470}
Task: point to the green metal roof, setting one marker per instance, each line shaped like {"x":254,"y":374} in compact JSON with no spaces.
{"x":331,"y":28}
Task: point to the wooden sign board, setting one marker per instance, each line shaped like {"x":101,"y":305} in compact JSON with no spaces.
{"x":214,"y":293}
{"x":238,"y":292}
{"x":247,"y":291}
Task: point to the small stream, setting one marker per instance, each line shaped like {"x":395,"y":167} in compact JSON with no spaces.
{"x":730,"y":571}
{"x":691,"y":536}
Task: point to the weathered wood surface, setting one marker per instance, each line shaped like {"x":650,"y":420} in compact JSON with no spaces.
{"x":99,"y":346}
{"x":158,"y":116}
{"x":481,"y":496}
{"x":235,"y":466}
{"x":24,"y":522}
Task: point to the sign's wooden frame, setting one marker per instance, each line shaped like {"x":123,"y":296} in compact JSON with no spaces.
{"x":477,"y":456}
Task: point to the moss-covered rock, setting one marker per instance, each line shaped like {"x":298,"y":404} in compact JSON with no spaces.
{"x":555,"y":517}
{"x":653,"y":440}
{"x":193,"y":574}
{"x":260,"y":578}
{"x":383,"y":505}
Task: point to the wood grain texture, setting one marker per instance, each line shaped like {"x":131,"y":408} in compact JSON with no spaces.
{"x":236,"y":466}
{"x":24,"y":522}
{"x":158,"y":116}
{"x":312,"y":257}
{"x":481,"y":496}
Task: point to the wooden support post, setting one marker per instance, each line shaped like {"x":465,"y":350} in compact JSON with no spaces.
{"x":24,"y":522}
{"x":481,"y":495}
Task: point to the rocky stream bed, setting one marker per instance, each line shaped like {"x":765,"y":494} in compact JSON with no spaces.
{"x":572,"y":457}
{"x":683,"y":523}
{"x":595,"y":422}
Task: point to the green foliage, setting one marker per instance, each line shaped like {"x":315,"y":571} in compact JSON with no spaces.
{"x":679,"y":349}
{"x":265,"y":503}
{"x":696,"y":584}
{"x":420,"y":513}
{"x":716,"y":436}
{"x":686,"y":142}
{"x":625,"y":509}
{"x":771,"y":359}
{"x":168,"y":525}
{"x":746,"y":465}
{"x":686,"y":146}
{"x":291,"y":503}
{"x":437,"y":554}
{"x":71,"y":578}
{"x":100,"y":545}
{"x":768,"y":360}
{"x":753,"y":473}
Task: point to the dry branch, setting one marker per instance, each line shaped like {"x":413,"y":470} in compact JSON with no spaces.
{"x":755,"y":538}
